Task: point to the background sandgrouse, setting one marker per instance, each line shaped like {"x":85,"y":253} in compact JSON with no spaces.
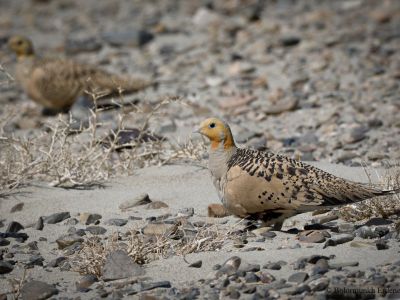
{"x":269,"y":186}
{"x":56,"y":83}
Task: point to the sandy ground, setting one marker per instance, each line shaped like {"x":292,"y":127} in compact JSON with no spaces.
{"x":179,"y":186}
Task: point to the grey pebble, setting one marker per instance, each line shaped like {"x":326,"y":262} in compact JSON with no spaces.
{"x":127,"y":37}
{"x":96,"y":230}
{"x":56,"y":218}
{"x":119,"y":265}
{"x":17,"y":207}
{"x":298,"y":277}
{"x":14,"y":227}
{"x":37,"y":290}
{"x":4,"y":242}
{"x":117,"y":222}
{"x":39,"y":225}
{"x":196,"y":264}
{"x":338,"y":239}
{"x":56,"y":262}
{"x":5,"y":267}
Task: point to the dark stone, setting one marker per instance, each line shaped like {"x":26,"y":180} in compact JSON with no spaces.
{"x":249,"y":267}
{"x":321,"y":267}
{"x":381,"y":245}
{"x":196,"y":264}
{"x":272,"y":266}
{"x":381,"y":230}
{"x":68,"y":240}
{"x":229,"y":267}
{"x":5,"y":267}
{"x":18,"y":236}
{"x":288,"y":41}
{"x":4,"y":242}
{"x":39,"y":224}
{"x":17,"y":207}
{"x":96,"y":230}
{"x":56,"y":218}
{"x":35,"y":260}
{"x":146,"y":286}
{"x":119,"y":265}
{"x":269,"y":234}
{"x":14,"y":227}
{"x":85,"y":282}
{"x":319,"y":284}
{"x":251,"y":277}
{"x":37,"y":290}
{"x":117,"y":222}
{"x":377,"y":222}
{"x":339,"y":239}
{"x":298,"y":277}
{"x":56,"y":262}
{"x":127,"y":37}
{"x":75,"y":45}
{"x":365,"y":232}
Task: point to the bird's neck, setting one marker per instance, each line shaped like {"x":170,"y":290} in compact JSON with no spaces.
{"x":219,"y":155}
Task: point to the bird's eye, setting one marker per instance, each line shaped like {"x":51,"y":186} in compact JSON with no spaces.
{"x":19,"y":42}
{"x":212,"y":125}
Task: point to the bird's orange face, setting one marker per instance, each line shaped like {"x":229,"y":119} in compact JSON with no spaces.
{"x":217,"y":131}
{"x":22,"y":46}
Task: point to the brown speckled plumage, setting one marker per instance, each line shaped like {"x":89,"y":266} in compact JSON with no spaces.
{"x":56,"y":83}
{"x":272,"y":187}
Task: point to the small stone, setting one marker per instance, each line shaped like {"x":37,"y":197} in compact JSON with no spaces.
{"x":71,"y":222}
{"x":356,"y":134}
{"x":290,"y":40}
{"x":246,"y":267}
{"x":96,"y":230}
{"x":56,"y":262}
{"x":377,"y":222}
{"x":127,"y":37}
{"x":4,"y":242}
{"x":272,"y":266}
{"x":68,"y":240}
{"x":319,"y":284}
{"x":5,"y":267}
{"x":346,"y":228}
{"x":217,"y":211}
{"x":229,"y":267}
{"x":14,"y":227}
{"x":343,"y":264}
{"x":269,"y":235}
{"x":321,"y":267}
{"x":141,"y":199}
{"x":146,"y":286}
{"x":196,"y":264}
{"x":365,"y":232}
{"x":56,"y":218}
{"x":186,"y":212}
{"x":266,"y":277}
{"x":119,"y":265}
{"x":88,"y":218}
{"x":37,"y":290}
{"x":311,"y":236}
{"x":250,"y":277}
{"x":39,"y":225}
{"x":339,"y":239}
{"x":157,"y":205}
{"x":381,"y":245}
{"x":74,"y":45}
{"x":298,"y":277}
{"x":85,"y":282}
{"x":158,"y":229}
{"x":35,"y":260}
{"x":117,"y":222}
{"x":17,"y":207}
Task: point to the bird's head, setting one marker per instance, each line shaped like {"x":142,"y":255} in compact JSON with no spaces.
{"x":218,"y":132}
{"x":21,"y":45}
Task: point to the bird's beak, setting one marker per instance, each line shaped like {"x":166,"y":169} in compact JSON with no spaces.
{"x":197,"y":130}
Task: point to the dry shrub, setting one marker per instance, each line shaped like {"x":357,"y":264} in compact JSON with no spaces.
{"x":68,"y":155}
{"x":144,"y":249}
{"x":383,"y":206}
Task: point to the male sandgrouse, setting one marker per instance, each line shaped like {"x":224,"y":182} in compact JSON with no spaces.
{"x":56,"y":83}
{"x":271,"y":187}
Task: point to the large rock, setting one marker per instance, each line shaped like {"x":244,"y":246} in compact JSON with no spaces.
{"x":37,"y":290}
{"x":119,"y":265}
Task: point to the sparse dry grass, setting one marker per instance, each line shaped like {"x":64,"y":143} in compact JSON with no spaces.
{"x":69,"y":155}
{"x":144,"y":249}
{"x":383,"y":206}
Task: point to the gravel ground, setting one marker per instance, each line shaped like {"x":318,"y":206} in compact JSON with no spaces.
{"x":317,"y":80}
